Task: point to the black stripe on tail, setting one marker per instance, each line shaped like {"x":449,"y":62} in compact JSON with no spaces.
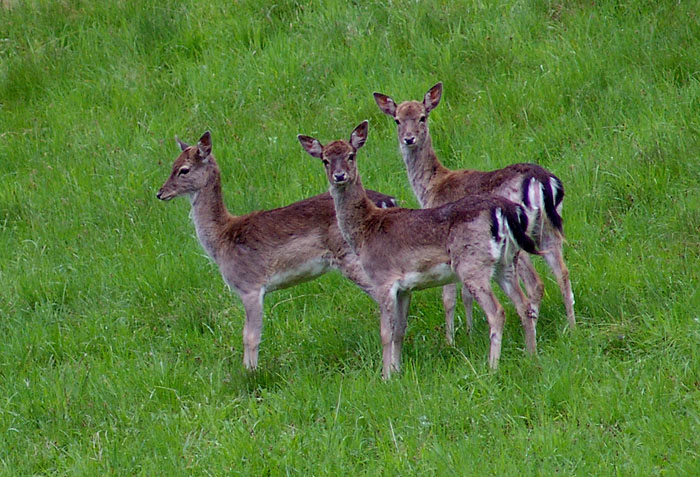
{"x":525,"y":192}
{"x":517,"y":221}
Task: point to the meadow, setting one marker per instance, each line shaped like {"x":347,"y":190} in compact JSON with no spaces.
{"x":121,"y":345}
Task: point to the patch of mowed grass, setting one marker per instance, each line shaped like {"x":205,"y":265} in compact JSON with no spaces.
{"x":122,"y":350}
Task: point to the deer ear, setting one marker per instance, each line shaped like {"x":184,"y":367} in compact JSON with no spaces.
{"x":359,"y":135}
{"x":183,"y":145}
{"x":386,"y":104}
{"x":204,"y":145}
{"x":432,"y":97}
{"x":311,"y":145}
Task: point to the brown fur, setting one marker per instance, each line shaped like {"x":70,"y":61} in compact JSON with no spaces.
{"x":265,"y":250}
{"x":435,"y":185}
{"x":403,"y":250}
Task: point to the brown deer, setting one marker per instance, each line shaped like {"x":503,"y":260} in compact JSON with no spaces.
{"x":434,"y":185}
{"x":265,"y":250}
{"x":471,"y":240}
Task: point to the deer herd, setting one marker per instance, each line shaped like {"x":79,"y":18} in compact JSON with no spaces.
{"x":473,"y":227}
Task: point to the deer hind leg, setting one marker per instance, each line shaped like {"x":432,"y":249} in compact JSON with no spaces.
{"x":553,"y":255}
{"x":508,"y":281}
{"x":403,"y":301}
{"x":476,"y":278}
{"x":449,"y":299}
{"x":253,"y":304}
{"x":531,"y":280}
{"x":468,"y":303}
{"x":496,"y":317}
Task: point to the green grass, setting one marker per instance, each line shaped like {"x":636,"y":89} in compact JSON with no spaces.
{"x":121,"y":347}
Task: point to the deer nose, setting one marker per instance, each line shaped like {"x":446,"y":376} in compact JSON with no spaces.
{"x":160,"y":192}
{"x":410,"y":140}
{"x":339,"y":177}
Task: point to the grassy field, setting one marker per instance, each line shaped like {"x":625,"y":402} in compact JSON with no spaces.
{"x":121,"y":350}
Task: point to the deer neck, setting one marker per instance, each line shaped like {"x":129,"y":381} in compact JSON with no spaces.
{"x":352,"y":208}
{"x":423,"y":169}
{"x":209,"y":214}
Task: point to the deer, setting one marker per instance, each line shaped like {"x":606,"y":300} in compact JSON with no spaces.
{"x":266,"y":250}
{"x":433,"y":184}
{"x":471,"y":240}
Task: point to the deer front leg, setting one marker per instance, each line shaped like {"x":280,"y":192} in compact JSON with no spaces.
{"x":403,"y":301}
{"x":386,"y":335}
{"x":253,"y":304}
{"x":350,"y":266}
{"x":387,"y":324}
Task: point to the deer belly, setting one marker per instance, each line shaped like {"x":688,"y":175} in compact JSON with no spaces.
{"x":302,"y":272}
{"x":436,"y":276}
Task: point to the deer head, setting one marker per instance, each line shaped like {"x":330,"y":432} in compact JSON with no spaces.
{"x":411,"y":117}
{"x":338,"y":157}
{"x":190,"y":170}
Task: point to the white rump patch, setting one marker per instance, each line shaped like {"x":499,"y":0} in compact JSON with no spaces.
{"x":535,"y":197}
{"x":535,"y":194}
{"x":503,"y":232}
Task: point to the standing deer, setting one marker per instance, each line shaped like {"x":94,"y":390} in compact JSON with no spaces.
{"x":434,"y":185}
{"x":471,"y":240}
{"x":265,"y":250}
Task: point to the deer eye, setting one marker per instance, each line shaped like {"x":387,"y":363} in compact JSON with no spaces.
{"x":422,"y":119}
{"x":325,"y":162}
{"x":351,"y":157}
{"x":183,"y":171}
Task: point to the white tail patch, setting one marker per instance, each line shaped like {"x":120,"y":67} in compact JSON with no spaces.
{"x":506,"y":246}
{"x":535,"y":208}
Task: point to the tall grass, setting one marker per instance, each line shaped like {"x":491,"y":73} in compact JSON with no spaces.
{"x":122,"y":349}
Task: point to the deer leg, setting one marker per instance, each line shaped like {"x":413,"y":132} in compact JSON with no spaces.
{"x":531,"y":280}
{"x":468,"y":303}
{"x":386,"y":334}
{"x":449,"y":298}
{"x":387,"y":314}
{"x":403,"y":301}
{"x":553,"y":256}
{"x":253,"y":304}
{"x":508,"y":281}
{"x":495,"y":315}
{"x":351,"y":268}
